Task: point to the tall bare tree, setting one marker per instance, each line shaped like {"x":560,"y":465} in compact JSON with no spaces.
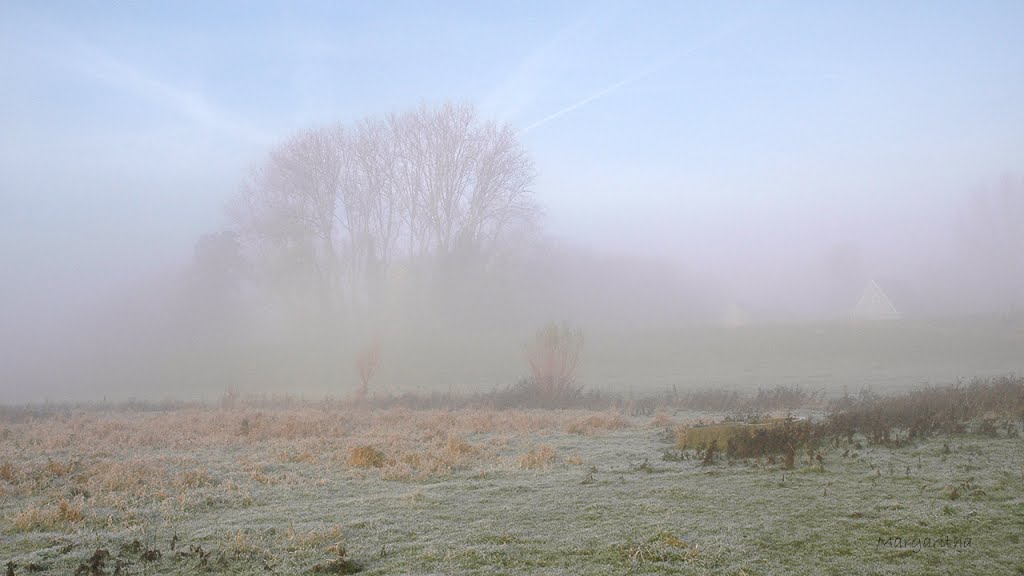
{"x":288,"y":209}
{"x":336,"y":207}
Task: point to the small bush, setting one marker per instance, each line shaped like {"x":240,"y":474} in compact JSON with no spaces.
{"x":554,"y":358}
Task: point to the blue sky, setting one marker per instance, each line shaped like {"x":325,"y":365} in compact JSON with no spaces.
{"x":700,"y":131}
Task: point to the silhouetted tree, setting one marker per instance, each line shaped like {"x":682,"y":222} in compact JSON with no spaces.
{"x":332,"y":209}
{"x":215,"y":277}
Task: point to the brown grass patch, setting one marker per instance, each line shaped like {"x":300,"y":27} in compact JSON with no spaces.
{"x":61,"y":515}
{"x":133,"y":476}
{"x":538,"y":457}
{"x":365,"y":457}
{"x":596,"y":423}
{"x":661,"y":421}
{"x":300,"y":456}
{"x":8,"y":473}
{"x":58,"y":469}
{"x":315,"y":539}
{"x":193,"y":478}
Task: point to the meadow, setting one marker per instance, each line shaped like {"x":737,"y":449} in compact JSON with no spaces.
{"x":272,"y":486}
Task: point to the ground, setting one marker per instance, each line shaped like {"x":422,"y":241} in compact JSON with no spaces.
{"x":334,"y":489}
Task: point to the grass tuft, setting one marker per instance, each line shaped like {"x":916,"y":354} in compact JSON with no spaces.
{"x":538,"y":458}
{"x":365,"y":457}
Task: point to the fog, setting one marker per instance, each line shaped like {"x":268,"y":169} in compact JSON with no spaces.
{"x":194,"y":197}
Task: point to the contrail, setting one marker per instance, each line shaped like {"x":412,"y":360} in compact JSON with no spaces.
{"x":596,"y":95}
{"x":635,"y":77}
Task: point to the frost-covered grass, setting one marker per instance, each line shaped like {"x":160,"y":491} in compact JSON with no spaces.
{"x":487,"y":492}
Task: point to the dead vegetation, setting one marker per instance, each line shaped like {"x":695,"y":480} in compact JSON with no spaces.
{"x":538,"y":458}
{"x":59,"y":516}
{"x":987,"y":407}
{"x":92,"y":472}
{"x":597,"y":423}
{"x":365,"y":457}
{"x":974,"y":407}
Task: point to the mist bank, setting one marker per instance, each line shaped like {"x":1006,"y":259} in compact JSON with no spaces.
{"x":648,"y":327}
{"x":421,"y":233}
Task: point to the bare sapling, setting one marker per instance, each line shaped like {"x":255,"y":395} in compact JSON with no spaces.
{"x":367,"y":362}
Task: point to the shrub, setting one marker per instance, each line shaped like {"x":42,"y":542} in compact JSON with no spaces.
{"x":928,"y":411}
{"x":554,"y":358}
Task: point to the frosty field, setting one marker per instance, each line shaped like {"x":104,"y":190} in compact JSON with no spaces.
{"x":476,"y":491}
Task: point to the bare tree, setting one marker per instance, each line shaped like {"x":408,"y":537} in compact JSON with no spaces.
{"x":474,"y":178}
{"x":287,"y":208}
{"x":366,"y":366}
{"x":338,"y":206}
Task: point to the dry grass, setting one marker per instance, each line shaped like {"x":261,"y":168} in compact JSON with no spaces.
{"x":123,"y":461}
{"x":322,"y":539}
{"x":8,"y":473}
{"x":365,"y":457}
{"x":538,"y":457}
{"x":597,"y":423}
{"x":193,"y":478}
{"x":730,"y":434}
{"x":62,"y":515}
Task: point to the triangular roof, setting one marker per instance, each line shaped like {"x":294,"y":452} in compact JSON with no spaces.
{"x":874,"y":304}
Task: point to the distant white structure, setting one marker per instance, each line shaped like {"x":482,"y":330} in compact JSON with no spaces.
{"x":874,"y":305}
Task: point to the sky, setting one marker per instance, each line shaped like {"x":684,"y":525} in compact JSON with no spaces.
{"x":708,"y":133}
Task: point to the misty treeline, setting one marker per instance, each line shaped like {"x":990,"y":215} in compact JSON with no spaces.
{"x":420,"y":222}
{"x":419,"y":235}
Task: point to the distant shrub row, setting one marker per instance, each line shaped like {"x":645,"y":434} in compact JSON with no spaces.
{"x":990,"y":407}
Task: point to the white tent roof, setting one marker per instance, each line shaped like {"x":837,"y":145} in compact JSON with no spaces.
{"x":874,"y":304}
